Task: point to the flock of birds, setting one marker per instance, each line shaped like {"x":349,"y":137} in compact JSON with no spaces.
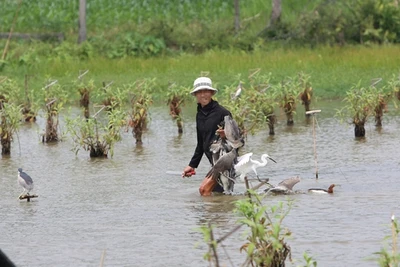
{"x":227,"y":164}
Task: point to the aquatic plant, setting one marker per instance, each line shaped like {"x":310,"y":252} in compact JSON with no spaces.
{"x":394,"y":84}
{"x":310,"y":262}
{"x":98,"y":136}
{"x":266,"y":97}
{"x":10,"y":119}
{"x":287,"y":95}
{"x":177,"y":96}
{"x":84,"y":90}
{"x":361,"y":103}
{"x":30,"y":104}
{"x":54,"y":99}
{"x":266,"y":244}
{"x":251,"y":108}
{"x":383,"y":95}
{"x":140,"y":101}
{"x":391,"y":258}
{"x":10,"y":114}
{"x":306,"y":94}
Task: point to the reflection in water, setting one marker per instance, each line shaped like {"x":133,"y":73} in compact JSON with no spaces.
{"x":28,"y":209}
{"x":217,"y":210}
{"x":129,"y":206}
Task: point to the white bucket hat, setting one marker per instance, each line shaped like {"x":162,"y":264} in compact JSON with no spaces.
{"x":202,"y":83}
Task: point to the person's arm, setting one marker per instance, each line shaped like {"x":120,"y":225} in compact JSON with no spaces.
{"x":195,"y":161}
{"x":198,"y":152}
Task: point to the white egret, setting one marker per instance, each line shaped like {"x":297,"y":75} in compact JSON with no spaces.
{"x":246,"y":164}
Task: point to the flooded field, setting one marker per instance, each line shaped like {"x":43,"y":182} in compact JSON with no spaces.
{"x":131,"y":207}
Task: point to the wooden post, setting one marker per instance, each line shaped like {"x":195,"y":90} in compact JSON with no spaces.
{"x":237,"y":16}
{"x":312,"y":112}
{"x":82,"y":21}
{"x":246,"y":182}
{"x":276,"y":13}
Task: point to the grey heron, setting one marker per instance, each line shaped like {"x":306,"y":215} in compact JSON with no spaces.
{"x":246,"y":164}
{"x":25,"y":181}
{"x":222,"y":170}
{"x":284,"y":187}
{"x":224,"y":155}
{"x":232,"y":132}
{"x":321,"y":190}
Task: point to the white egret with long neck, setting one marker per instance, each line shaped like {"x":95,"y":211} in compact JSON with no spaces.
{"x":246,"y":164}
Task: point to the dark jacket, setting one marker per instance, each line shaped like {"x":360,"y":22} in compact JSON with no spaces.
{"x":207,"y":120}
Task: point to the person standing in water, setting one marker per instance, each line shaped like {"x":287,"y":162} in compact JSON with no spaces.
{"x":209,"y":115}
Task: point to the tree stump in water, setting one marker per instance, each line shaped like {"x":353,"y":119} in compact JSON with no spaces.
{"x":271,"y":120}
{"x":27,"y":197}
{"x":359,"y":130}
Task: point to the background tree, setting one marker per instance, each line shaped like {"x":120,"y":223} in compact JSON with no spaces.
{"x":275,"y":13}
{"x":82,"y":21}
{"x":237,"y":16}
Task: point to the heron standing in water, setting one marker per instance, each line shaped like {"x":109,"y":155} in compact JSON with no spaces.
{"x":25,"y":181}
{"x":246,"y":164}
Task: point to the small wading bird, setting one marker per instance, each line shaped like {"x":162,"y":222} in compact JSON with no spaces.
{"x":284,"y":187}
{"x":321,"y":190}
{"x":246,"y":164}
{"x":25,"y":181}
{"x":238,"y":91}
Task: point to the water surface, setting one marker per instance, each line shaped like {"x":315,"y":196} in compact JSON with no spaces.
{"x":140,"y":215}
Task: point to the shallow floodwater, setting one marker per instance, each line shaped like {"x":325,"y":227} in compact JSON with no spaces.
{"x":134,"y":209}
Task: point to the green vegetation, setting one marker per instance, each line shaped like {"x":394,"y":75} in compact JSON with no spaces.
{"x":174,"y":41}
{"x":363,"y":102}
{"x":154,"y":26}
{"x":333,"y":70}
{"x":177,"y":96}
{"x":94,"y":135}
{"x":266,"y":236}
{"x":10,"y":114}
{"x":389,"y":257}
